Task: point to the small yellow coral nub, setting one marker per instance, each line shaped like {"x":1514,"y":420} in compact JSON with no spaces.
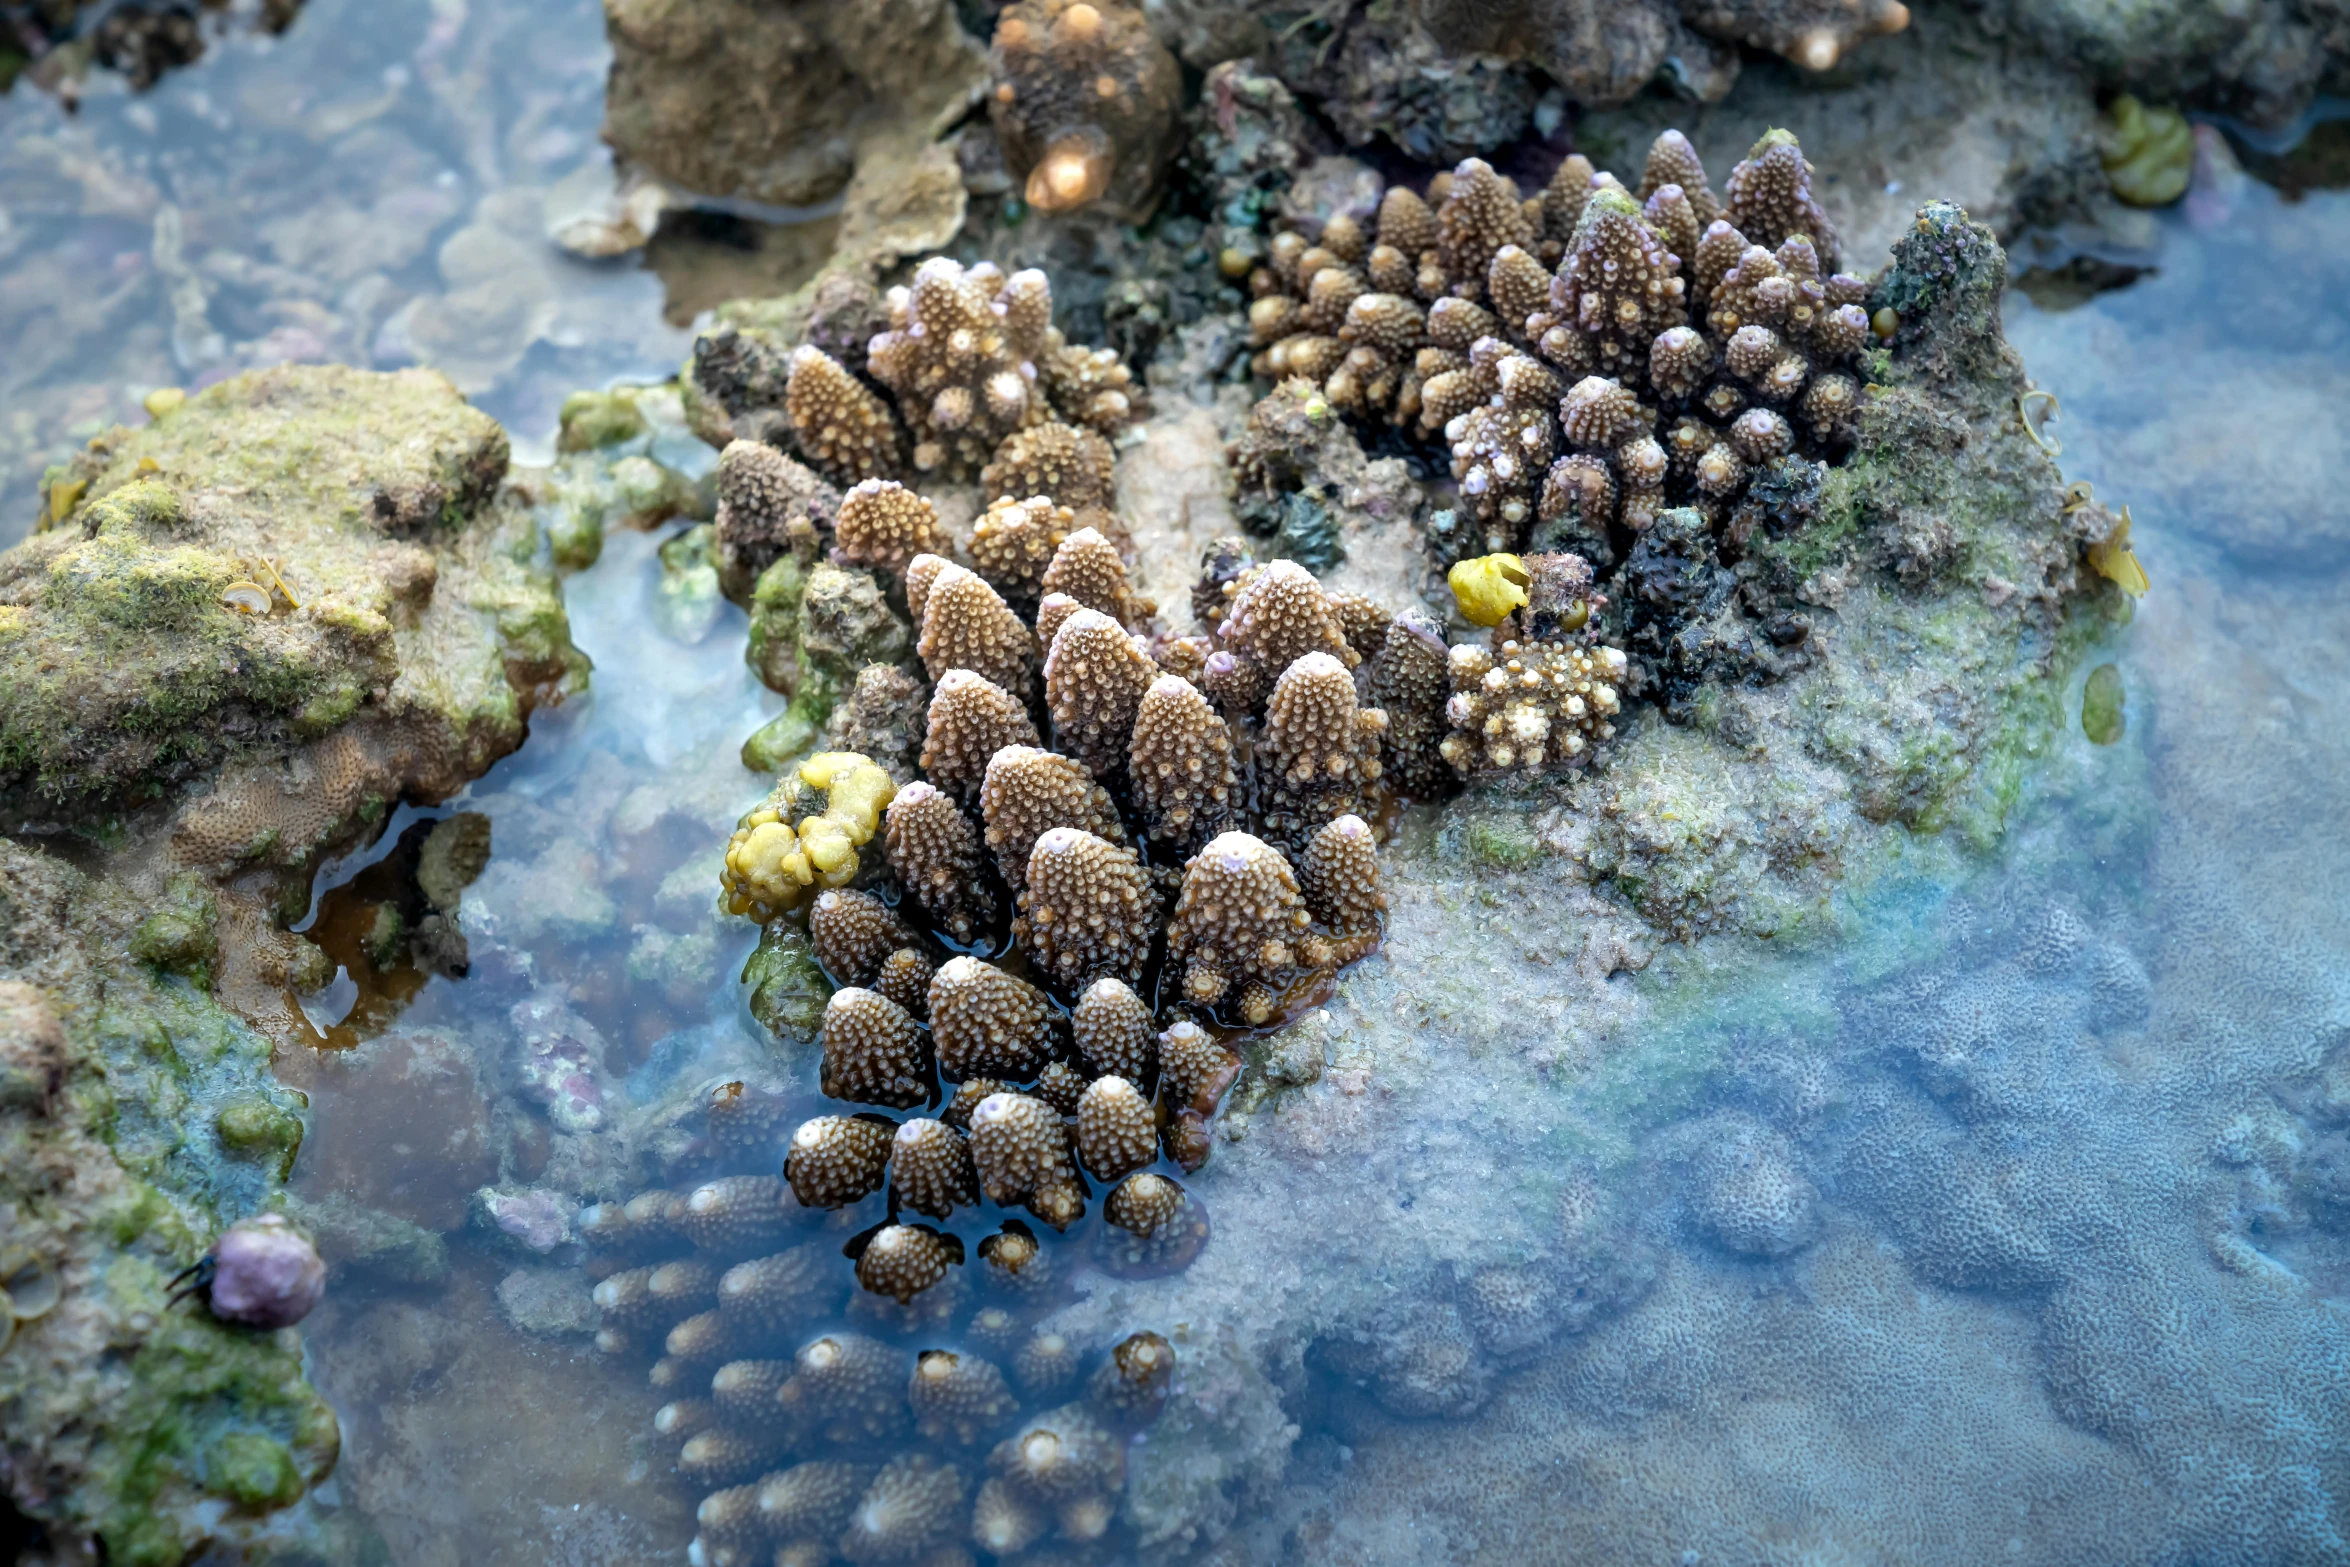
{"x":1489,"y":587}
{"x":772,"y":866}
{"x":2113,"y":560}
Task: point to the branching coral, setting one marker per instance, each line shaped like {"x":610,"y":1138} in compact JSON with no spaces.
{"x":1577,"y":402}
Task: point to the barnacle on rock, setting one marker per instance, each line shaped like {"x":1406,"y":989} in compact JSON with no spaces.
{"x":985,"y":1022}
{"x":835,"y":1159}
{"x":873,"y":1051}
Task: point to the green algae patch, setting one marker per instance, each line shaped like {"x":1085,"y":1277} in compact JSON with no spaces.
{"x":2102,"y":718}
{"x":292,"y":553}
{"x":786,"y":989}
{"x":137,"y":1428}
{"x":591,"y":420}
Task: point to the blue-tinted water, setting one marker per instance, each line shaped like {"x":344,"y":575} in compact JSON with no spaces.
{"x":2014,"y":1227}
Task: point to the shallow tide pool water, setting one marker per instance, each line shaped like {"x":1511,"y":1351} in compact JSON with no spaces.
{"x":2077,"y":1283}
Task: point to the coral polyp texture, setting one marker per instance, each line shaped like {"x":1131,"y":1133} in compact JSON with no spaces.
{"x":807,"y":1439}
{"x":1682,"y":345}
{"x":961,"y":371}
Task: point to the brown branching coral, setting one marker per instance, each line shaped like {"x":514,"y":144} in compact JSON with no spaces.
{"x":1087,"y":911}
{"x":1029,"y":792}
{"x":985,"y":1022}
{"x":1179,"y":767}
{"x":934,"y":851}
{"x":1014,"y":541}
{"x":1089,"y":570}
{"x":853,"y":934}
{"x":960,"y":354}
{"x":1152,"y":1226}
{"x":1320,"y":746}
{"x":845,"y":431}
{"x":1238,"y":918}
{"x":930,"y":1168}
{"x":1472,"y":338}
{"x":873,"y":1051}
{"x":1019,"y":1145}
{"x":767,"y":506}
{"x":967,"y":625}
{"x":1113,"y":1033}
{"x":835,"y":1159}
{"x":1072,"y":466}
{"x":1527,"y":706}
{"x":884,"y":525}
{"x":1094,"y":680}
{"x":1116,"y":1132}
{"x":971,"y":719}
{"x":904,"y":1260}
{"x":1085,"y":103}
{"x":1339,"y":877}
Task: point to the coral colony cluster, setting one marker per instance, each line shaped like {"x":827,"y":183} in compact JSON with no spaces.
{"x":1591,"y":355}
{"x":1110,"y":847}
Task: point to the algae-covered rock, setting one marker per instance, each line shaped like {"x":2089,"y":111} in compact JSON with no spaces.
{"x":135,"y":1428}
{"x":304,"y":574}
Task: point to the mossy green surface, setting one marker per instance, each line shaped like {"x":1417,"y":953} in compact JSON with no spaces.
{"x":786,"y":989}
{"x":362,"y":509}
{"x":152,"y":1429}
